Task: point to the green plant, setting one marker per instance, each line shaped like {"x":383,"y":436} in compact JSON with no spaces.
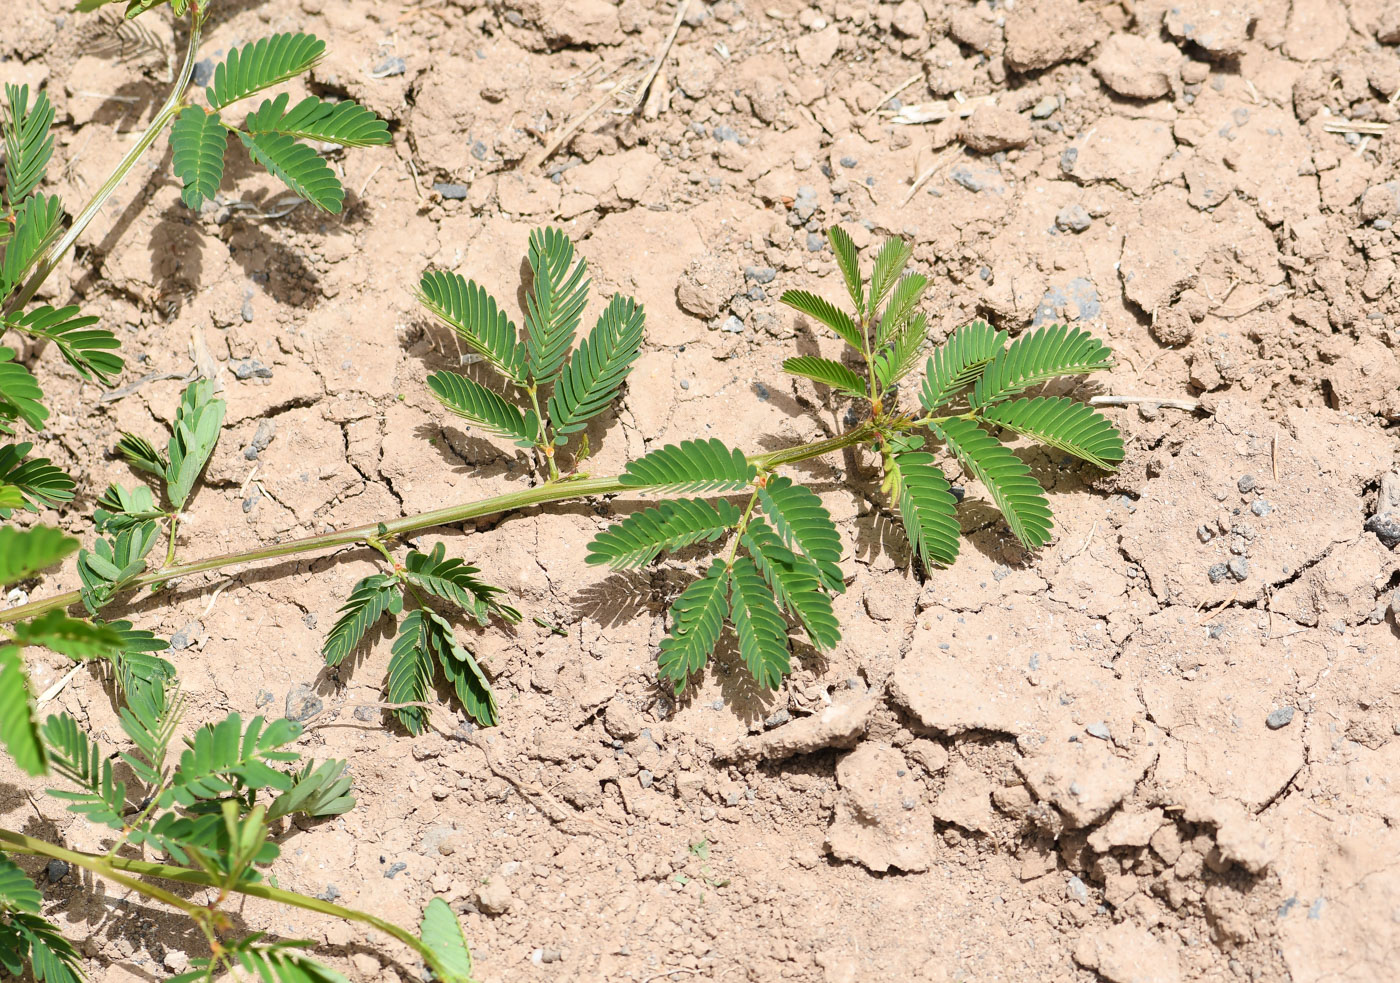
{"x":34,"y":238}
{"x":212,"y":807}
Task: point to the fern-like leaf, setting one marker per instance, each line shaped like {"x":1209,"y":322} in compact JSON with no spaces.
{"x":345,"y":123}
{"x":1059,"y":422}
{"x":368,"y":601}
{"x":151,"y":729}
{"x":410,"y":672}
{"x":114,"y":562}
{"x":1039,"y":356}
{"x":78,"y":758}
{"x":52,"y":958}
{"x":1007,"y":479}
{"x":298,"y":167}
{"x":958,"y":361}
{"x":697,"y":618}
{"x":197,"y":422}
{"x":899,"y":359}
{"x":261,"y":65}
{"x":17,"y":891}
{"x":36,"y":482}
{"x":19,"y":394}
{"x":456,"y":581}
{"x":804,"y":524}
{"x":890,"y":262}
{"x":795,"y":582}
{"x":278,"y":962}
{"x":459,"y":665}
{"x":37,"y":223}
{"x":691,"y":466}
{"x":198,"y":141}
{"x":759,"y":625}
{"x":141,"y":454}
{"x":89,"y":350}
{"x":848,"y":259}
{"x":906,"y":296}
{"x":821,"y":309}
{"x":119,"y":508}
{"x":827,"y":372}
{"x":25,"y":552}
{"x":221,"y":756}
{"x":19,"y":731}
{"x":28,"y":143}
{"x":594,"y":374}
{"x":317,"y":790}
{"x":670,"y":526}
{"x":442,"y":935}
{"x":554,"y":303}
{"x":927,"y":507}
{"x":475,"y":403}
{"x":469,"y":310}
{"x":76,"y":639}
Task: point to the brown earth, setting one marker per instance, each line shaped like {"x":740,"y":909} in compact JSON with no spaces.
{"x":1094,"y":760}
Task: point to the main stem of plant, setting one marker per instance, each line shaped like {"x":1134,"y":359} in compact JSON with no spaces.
{"x":173,"y":104}
{"x":550,"y":491}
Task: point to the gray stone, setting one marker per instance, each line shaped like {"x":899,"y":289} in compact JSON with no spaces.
{"x":777,"y":719}
{"x":1045,"y":108}
{"x":1246,"y":484}
{"x":303,"y":703}
{"x":815,"y":242}
{"x":760,"y":274}
{"x":969,"y":180}
{"x":1386,"y":526}
{"x":1239,"y":568}
{"x":263,"y":698}
{"x":1218,"y":572}
{"x":645,"y":778}
{"x":1261,"y":507}
{"x":1099,"y":730}
{"x":1073,"y":218}
{"x":393,"y":65}
{"x":456,"y":192}
{"x":395,"y":869}
{"x":184,"y":638}
{"x":732,"y":324}
{"x":203,"y":72}
{"x":249,"y":368}
{"x":266,"y":431}
{"x":1280,"y":718}
{"x":56,"y":871}
{"x":1077,"y":890}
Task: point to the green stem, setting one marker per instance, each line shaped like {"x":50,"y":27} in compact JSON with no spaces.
{"x":739,"y":529}
{"x":494,"y":505}
{"x":173,"y":104}
{"x":116,"y":869}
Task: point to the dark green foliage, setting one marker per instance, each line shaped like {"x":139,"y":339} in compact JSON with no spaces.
{"x":670,"y":526}
{"x":30,"y":483}
{"x":261,"y":65}
{"x":198,"y":142}
{"x":346,"y":123}
{"x":691,"y":466}
{"x":697,"y":618}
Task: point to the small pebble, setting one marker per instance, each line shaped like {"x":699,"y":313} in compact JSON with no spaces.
{"x":1239,"y":568}
{"x":249,"y":368}
{"x":1246,"y":484}
{"x":732,"y":324}
{"x":815,"y":242}
{"x":1045,"y":108}
{"x":1077,"y":890}
{"x":760,"y":274}
{"x":303,"y":703}
{"x":849,"y":162}
{"x":645,"y":778}
{"x":1218,"y":572}
{"x":263,"y":698}
{"x":393,"y":65}
{"x":1204,"y":534}
{"x":456,"y":192}
{"x":777,"y":719}
{"x":1261,"y":507}
{"x":56,"y":871}
{"x":685,"y":383}
{"x":395,"y":869}
{"x":203,"y":72}
{"x":1099,"y":730}
{"x":184,"y":638}
{"x":1280,"y":718}
{"x":1073,"y":218}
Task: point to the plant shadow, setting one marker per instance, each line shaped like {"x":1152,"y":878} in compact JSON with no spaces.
{"x":620,"y":597}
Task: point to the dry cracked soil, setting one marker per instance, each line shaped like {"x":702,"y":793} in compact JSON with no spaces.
{"x":1165,"y":748}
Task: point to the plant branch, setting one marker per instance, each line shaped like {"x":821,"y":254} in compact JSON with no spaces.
{"x":555,"y":491}
{"x":117,"y":870}
{"x":173,"y":104}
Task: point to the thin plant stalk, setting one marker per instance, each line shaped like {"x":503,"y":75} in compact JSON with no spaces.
{"x":173,"y":104}
{"x":550,"y":491}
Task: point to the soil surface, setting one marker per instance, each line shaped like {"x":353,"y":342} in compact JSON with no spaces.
{"x":1165,"y":748}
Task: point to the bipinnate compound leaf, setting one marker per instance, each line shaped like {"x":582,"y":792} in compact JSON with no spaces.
{"x":898,"y":359}
{"x":820,"y":309}
{"x":197,"y":422}
{"x":890,"y":262}
{"x":759,"y":625}
{"x":261,"y":65}
{"x":90,"y":350}
{"x":459,"y":583}
{"x":827,"y":372}
{"x":72,"y":637}
{"x":907,"y":294}
{"x":459,"y":665}
{"x":368,"y":601}
{"x":19,"y":394}
{"x":469,"y":310}
{"x":410,"y":673}
{"x":697,"y":618}
{"x":35,"y":483}
{"x":78,"y":758}
{"x":927,"y":507}
{"x":198,"y":141}
{"x":848,"y":259}
{"x":795,"y":582}
{"x":28,"y":143}
{"x":1060,"y":422}
{"x":36,"y":224}
{"x":554,"y":303}
{"x":1038,"y":356}
{"x":594,"y":374}
{"x":52,"y":958}
{"x":442,"y":935}
{"x":298,"y":167}
{"x":17,"y":891}
{"x":690,"y":466}
{"x":475,"y":403}
{"x":803,"y":523}
{"x":19,"y":730}
{"x":669,"y":526}
{"x":1007,"y":479}
{"x":345,"y":123}
{"x":218,"y":755}
{"x":25,"y":552}
{"x":958,"y":362}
